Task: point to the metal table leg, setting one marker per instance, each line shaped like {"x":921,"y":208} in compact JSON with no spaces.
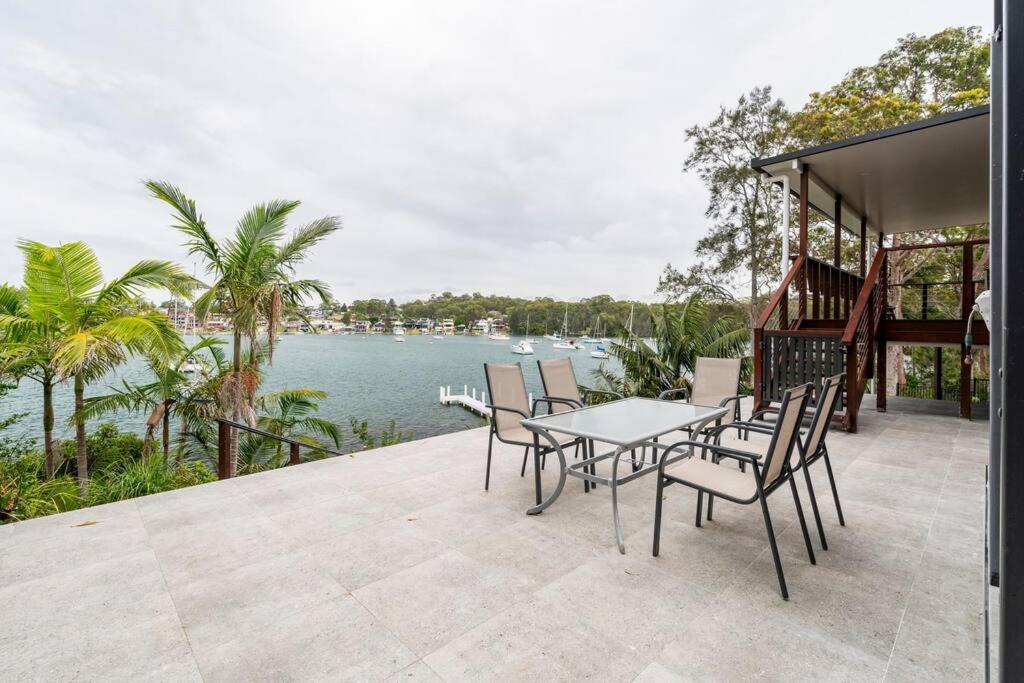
{"x":562,"y":467}
{"x":615,"y":498}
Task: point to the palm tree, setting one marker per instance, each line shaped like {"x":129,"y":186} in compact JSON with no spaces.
{"x":172,"y":393}
{"x":95,"y":324}
{"x":27,"y":352}
{"x":290,"y":414}
{"x":253,"y":281}
{"x":682,"y":333}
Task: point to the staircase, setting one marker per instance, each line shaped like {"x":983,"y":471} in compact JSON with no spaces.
{"x":820,"y":322}
{"x":823,"y":321}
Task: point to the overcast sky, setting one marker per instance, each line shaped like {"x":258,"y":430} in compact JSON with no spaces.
{"x":527,"y":148}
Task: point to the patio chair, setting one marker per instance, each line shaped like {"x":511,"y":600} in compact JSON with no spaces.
{"x":743,"y":486}
{"x":716,"y":382}
{"x":510,"y":404}
{"x":559,"y":381}
{"x":564,"y":393}
{"x":817,"y":422}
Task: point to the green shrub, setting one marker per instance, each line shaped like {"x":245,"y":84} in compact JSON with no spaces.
{"x":25,"y":492}
{"x":131,"y":479}
{"x":106,"y":447}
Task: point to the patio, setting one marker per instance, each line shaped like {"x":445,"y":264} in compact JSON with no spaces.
{"x":395,"y":564}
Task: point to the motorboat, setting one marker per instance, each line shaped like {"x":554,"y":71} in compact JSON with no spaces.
{"x":567,"y":344}
{"x":498,"y":336}
{"x":400,"y":339}
{"x":523,"y":348}
{"x":553,"y":337}
{"x":599,"y":352}
{"x":438,"y":336}
{"x":190,"y":365}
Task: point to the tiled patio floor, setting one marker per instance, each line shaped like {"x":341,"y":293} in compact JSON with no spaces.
{"x":397,"y":565}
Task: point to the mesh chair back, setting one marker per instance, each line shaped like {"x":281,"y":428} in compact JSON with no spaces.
{"x":559,"y":381}
{"x":507,"y":388}
{"x":715,"y":379}
{"x":828,"y":400}
{"x":787,"y":428}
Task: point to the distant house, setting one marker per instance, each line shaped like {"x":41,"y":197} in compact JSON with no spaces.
{"x":362,"y":326}
{"x":482,"y":326}
{"x":448,"y":326}
{"x":379,"y":327}
{"x":215,"y":322}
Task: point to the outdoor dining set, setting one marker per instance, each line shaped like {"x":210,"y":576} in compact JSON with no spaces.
{"x":636,"y":435}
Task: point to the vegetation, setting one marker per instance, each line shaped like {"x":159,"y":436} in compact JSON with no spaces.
{"x":253,"y":284}
{"x":67,"y":322}
{"x":681,"y":335}
{"x":545,"y":315}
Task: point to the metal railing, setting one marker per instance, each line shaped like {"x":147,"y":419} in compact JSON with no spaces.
{"x":228,"y":429}
{"x":947,"y":392}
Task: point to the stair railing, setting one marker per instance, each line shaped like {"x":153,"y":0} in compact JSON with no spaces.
{"x":860,"y":335}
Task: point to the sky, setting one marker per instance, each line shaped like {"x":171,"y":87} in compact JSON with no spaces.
{"x":523,"y":148}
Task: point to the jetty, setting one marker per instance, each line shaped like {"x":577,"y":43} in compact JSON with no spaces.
{"x":468,"y":400}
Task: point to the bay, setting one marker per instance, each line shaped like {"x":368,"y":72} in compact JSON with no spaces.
{"x":369,"y":377}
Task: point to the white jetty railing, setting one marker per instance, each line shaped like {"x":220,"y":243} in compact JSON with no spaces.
{"x":468,"y":400}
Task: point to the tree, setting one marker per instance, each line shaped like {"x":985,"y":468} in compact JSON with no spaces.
{"x":27,"y":352}
{"x":171,"y":393}
{"x":923,"y":76}
{"x":253,"y":282}
{"x":93,"y":323}
{"x":289,"y":414}
{"x":742,"y":244}
{"x":681,"y":335}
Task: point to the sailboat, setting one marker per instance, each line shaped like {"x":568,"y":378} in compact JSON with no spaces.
{"x":560,"y":341}
{"x":399,"y":333}
{"x":599,"y":352}
{"x":528,"y":339}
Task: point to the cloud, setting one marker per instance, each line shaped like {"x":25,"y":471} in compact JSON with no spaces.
{"x":531,"y":148}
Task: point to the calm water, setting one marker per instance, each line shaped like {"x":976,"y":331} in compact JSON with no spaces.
{"x":366,"y":376}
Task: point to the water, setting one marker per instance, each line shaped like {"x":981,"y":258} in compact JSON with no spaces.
{"x":370,"y":377}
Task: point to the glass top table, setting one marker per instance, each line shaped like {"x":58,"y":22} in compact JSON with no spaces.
{"x":626,"y":424}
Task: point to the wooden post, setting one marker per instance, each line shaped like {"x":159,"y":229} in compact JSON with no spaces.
{"x":966,"y":304}
{"x":223,"y":450}
{"x":863,"y":246}
{"x":937,"y":372}
{"x":852,"y":387}
{"x":293,"y":454}
{"x":801,"y":281}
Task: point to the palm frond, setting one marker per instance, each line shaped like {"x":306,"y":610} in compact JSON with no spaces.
{"x":189,"y":221}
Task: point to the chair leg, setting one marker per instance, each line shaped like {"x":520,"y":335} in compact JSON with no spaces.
{"x":487,"y":477}
{"x":700,"y":504}
{"x":803,"y":522}
{"x":774,"y":547}
{"x":526,"y":454}
{"x":657,"y":516}
{"x":835,"y":493}
{"x":814,"y":507}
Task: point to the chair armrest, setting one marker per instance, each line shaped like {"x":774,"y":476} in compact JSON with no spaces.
{"x":551,"y":400}
{"x":734,"y":453}
{"x":743,"y":426}
{"x":522,"y":413}
{"x":606,"y":392}
{"x":668,"y":392}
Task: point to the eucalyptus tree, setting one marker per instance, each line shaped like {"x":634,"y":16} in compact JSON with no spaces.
{"x":681,"y":334}
{"x":252,"y":281}
{"x":94,"y":324}
{"x":172,"y":394}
